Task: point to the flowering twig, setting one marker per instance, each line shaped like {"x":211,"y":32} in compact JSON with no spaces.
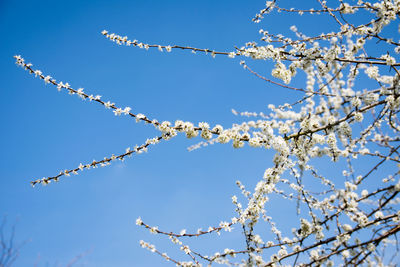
{"x":135,"y":43}
{"x":105,"y":162}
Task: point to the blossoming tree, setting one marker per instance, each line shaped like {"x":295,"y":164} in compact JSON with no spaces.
{"x":351,"y":219}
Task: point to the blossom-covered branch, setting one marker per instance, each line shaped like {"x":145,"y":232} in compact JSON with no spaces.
{"x":336,"y":148}
{"x":102,"y":163}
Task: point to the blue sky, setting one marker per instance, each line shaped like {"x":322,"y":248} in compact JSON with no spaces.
{"x":45,"y":131}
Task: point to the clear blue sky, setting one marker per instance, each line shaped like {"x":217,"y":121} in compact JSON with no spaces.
{"x":45,"y":131}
